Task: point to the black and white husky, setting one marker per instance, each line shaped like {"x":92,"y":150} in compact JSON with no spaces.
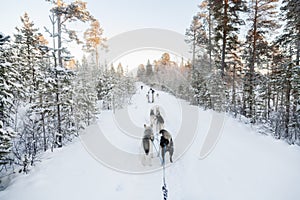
{"x":166,"y":144}
{"x":147,"y":143}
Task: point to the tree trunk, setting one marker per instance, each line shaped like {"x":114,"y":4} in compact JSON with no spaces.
{"x":269,"y":100}
{"x":268,"y":105}
{"x":97,"y":58}
{"x":298,"y":51}
{"x":194,"y":52}
{"x":209,"y":35}
{"x":253,"y":60}
{"x":57,"y":78}
{"x":43,"y":124}
{"x":287,"y":101}
{"x":59,"y":41}
{"x":234,"y":92}
{"x":225,"y":21}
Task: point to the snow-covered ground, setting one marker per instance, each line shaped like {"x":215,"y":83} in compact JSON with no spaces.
{"x":243,"y":165}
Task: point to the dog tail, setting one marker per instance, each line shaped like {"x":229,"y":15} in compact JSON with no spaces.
{"x":146,"y":145}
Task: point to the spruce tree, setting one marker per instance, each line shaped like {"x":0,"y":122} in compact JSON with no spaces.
{"x":291,"y":40}
{"x":8,"y":85}
{"x":27,"y":42}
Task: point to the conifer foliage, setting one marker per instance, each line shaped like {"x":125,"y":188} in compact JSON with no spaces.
{"x":44,"y":102}
{"x":8,"y":77}
{"x":259,"y":65}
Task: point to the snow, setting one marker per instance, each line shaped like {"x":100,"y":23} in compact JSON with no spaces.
{"x":243,"y":165}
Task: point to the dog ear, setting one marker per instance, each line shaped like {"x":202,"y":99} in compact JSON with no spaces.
{"x":144,"y":125}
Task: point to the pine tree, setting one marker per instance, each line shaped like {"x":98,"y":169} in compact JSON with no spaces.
{"x":27,"y":42}
{"x":141,"y":72}
{"x":196,"y":35}
{"x":263,"y":21}
{"x":63,"y":13}
{"x":294,"y":123}
{"x":104,"y":86}
{"x":201,"y":95}
{"x":149,"y":69}
{"x":276,"y":82}
{"x":38,"y":77}
{"x":200,"y":32}
{"x":84,"y":97}
{"x":94,"y":39}
{"x":235,"y":66}
{"x":217,"y":91}
{"x":27,"y":45}
{"x":8,"y":81}
{"x":120,"y":71}
{"x":291,"y":40}
{"x":291,"y":34}
{"x":227,"y":16}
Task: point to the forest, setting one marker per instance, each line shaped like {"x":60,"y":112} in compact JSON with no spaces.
{"x":245,"y":63}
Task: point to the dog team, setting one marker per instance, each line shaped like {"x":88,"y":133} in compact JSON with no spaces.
{"x":165,"y":143}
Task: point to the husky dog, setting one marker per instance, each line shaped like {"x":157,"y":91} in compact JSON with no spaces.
{"x":147,"y":140}
{"x":166,"y":145}
{"x":159,"y":120}
{"x":152,"y":117}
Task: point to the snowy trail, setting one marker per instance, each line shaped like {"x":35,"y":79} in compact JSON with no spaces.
{"x":244,"y":164}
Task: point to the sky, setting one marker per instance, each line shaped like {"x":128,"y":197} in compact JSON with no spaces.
{"x":115,"y":16}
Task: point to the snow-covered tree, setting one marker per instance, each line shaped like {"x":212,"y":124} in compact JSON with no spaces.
{"x":263,"y":21}
{"x":62,"y":14}
{"x":149,"y":69}
{"x":120,"y":70}
{"x":8,"y":85}
{"x":85,"y":97}
{"x":26,"y":44}
{"x":290,"y":41}
{"x":141,"y":72}
{"x":234,"y":75}
{"x":291,"y":35}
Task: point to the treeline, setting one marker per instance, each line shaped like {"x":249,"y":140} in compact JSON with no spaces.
{"x":115,"y":87}
{"x":41,"y":107}
{"x":167,"y":75}
{"x":46,"y":96}
{"x":246,"y":62}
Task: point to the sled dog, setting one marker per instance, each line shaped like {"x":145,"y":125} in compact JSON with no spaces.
{"x":152,"y":117}
{"x":147,"y":140}
{"x":166,"y":145}
{"x":159,"y":120}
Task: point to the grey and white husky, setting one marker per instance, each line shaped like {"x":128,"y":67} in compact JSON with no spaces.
{"x":159,"y":120}
{"x":147,"y":144}
{"x":152,"y":117}
{"x":166,"y":144}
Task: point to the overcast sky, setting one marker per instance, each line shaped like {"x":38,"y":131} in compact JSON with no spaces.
{"x":115,"y":16}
